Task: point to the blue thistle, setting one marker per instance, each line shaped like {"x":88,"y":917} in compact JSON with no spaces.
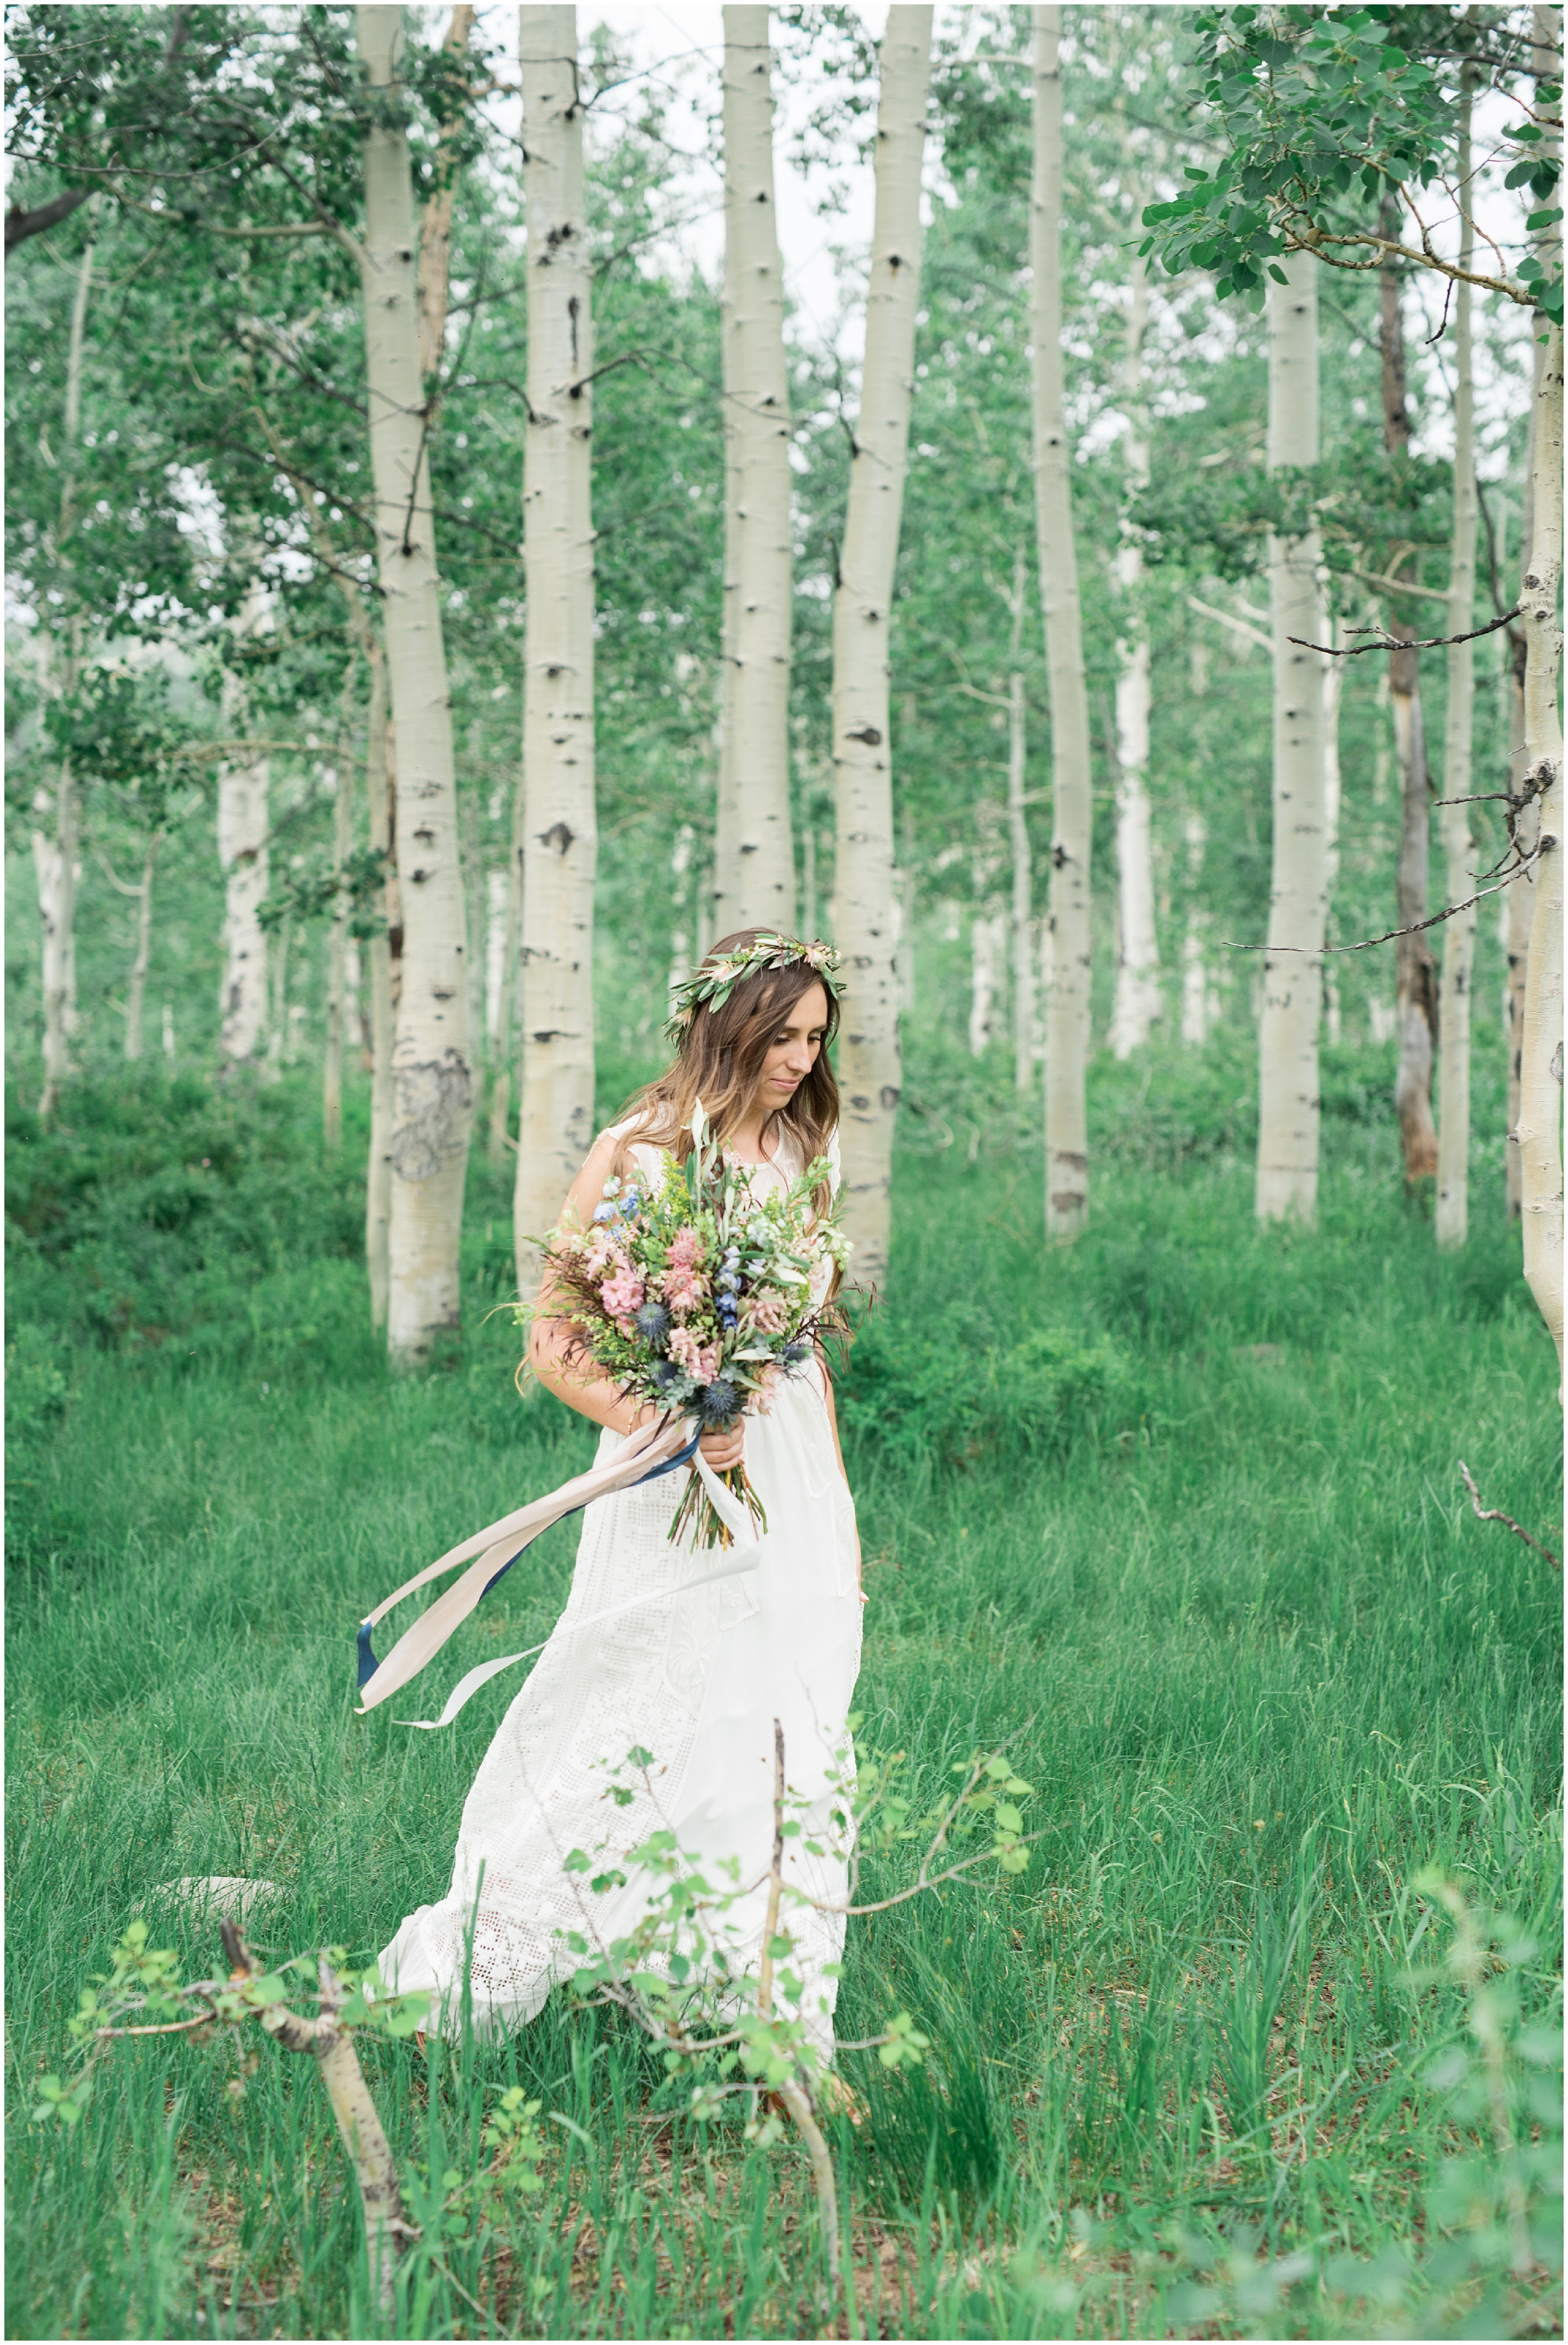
{"x":719,"y":1402}
{"x":651,"y":1321}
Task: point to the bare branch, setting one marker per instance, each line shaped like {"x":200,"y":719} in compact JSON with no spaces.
{"x":1387,"y":643}
{"x":1416,"y":926}
{"x":1496,"y":1515}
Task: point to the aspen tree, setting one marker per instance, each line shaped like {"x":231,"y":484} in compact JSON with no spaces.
{"x":385,"y":963}
{"x":1547,"y":65}
{"x":869,"y":1068}
{"x":753,"y":849}
{"x":1540,"y":1072}
{"x":1458,"y":932}
{"x":753,"y":845}
{"x":1416,"y":976}
{"x":1287,"y":1102}
{"x":1138,"y":1001}
{"x":136,"y":991}
{"x":431,"y":1075}
{"x":1519,"y":902}
{"x":55,"y":860}
{"x":244,"y":826}
{"x":1067,"y":920}
{"x":560,"y":841}
{"x":337,"y":969}
{"x":1023,"y":922}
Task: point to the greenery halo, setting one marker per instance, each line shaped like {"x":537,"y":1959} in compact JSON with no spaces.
{"x":715,"y":980}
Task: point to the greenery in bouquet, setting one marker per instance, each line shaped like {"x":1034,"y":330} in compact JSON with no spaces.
{"x":698,"y":1296}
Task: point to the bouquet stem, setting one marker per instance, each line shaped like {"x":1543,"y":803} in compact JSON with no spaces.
{"x":697,"y":1512}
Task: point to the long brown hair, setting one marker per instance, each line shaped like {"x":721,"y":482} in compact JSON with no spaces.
{"x":720,"y":1062}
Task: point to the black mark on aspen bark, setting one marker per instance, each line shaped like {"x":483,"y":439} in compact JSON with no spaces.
{"x":868,"y":733}
{"x":557,"y":837}
{"x":889,"y":1096}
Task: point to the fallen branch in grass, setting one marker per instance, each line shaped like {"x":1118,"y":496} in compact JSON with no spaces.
{"x":1496,"y":1515}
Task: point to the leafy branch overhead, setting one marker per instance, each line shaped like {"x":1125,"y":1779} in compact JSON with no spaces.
{"x":1324,"y":114}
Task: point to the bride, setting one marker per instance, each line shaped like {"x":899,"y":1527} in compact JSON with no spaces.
{"x":696,"y":1678}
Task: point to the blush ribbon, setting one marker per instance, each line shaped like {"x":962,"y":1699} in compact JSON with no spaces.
{"x":651,"y":1451}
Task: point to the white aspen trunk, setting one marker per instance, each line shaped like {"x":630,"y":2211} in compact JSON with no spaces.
{"x":1023,"y":919}
{"x":355,"y":1034}
{"x":384,"y":956}
{"x":1333,"y":682}
{"x":244,"y":821}
{"x":1072,"y":810}
{"x":754,"y":848}
{"x":494,"y":957}
{"x":436,"y":231}
{"x":983,"y":943}
{"x":58,"y":919}
{"x":1416,"y":976}
{"x":681,"y":963}
{"x":1519,"y":902}
{"x":135,"y":993}
{"x":1194,"y":967}
{"x":561,"y":838}
{"x":1458,"y":932}
{"x":168,"y":1041}
{"x":1138,"y":1003}
{"x":336,"y":971}
{"x":432,"y":1073}
{"x":1541,"y":1070}
{"x":869,"y":1066}
{"x":279,"y":1011}
{"x":1288,"y":1088}
{"x":506,"y":1005}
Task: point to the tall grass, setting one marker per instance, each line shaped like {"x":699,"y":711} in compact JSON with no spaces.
{"x":1222,"y":1592}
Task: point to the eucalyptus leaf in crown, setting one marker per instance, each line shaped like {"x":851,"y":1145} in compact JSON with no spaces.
{"x":717,"y":980}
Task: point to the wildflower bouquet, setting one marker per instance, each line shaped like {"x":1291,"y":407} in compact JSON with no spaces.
{"x":694,"y":1295}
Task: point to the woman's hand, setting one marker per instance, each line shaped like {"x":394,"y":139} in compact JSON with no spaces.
{"x":721,"y":1451}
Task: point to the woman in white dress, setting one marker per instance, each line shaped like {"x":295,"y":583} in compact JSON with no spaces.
{"x":696,"y":1680}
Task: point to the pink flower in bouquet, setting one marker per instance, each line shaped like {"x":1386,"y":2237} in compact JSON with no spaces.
{"x":698,"y":1360}
{"x":685,"y":1289}
{"x":768,"y":1380}
{"x":599,"y":1250}
{"x":685,"y":1247}
{"x":768,"y":1311}
{"x":622,"y":1294}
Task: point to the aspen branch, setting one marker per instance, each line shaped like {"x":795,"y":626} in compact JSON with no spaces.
{"x":1387,"y":643}
{"x":1416,"y":926}
{"x":1242,"y":627}
{"x":1387,"y":585}
{"x":1496,"y":1515}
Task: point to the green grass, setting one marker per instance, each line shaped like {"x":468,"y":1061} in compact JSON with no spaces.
{"x":1223,"y":1592}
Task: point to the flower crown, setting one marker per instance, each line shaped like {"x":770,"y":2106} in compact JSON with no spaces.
{"x":717,"y":980}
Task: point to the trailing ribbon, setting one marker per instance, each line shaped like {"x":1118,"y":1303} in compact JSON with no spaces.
{"x":651,"y":1451}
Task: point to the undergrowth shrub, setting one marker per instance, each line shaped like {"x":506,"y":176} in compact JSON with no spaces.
{"x":948,"y":1393}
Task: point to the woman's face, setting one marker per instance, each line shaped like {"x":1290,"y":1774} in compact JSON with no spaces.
{"x":793,"y":1051}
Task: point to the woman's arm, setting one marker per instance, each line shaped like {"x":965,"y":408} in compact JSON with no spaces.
{"x":577,"y":1382}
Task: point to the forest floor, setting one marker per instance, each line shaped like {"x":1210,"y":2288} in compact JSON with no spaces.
{"x":1178,"y":1511}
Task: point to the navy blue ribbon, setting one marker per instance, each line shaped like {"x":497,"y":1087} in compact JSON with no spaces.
{"x":369,"y":1664}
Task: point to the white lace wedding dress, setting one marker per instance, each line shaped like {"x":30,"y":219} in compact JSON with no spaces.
{"x":697,"y":1680}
